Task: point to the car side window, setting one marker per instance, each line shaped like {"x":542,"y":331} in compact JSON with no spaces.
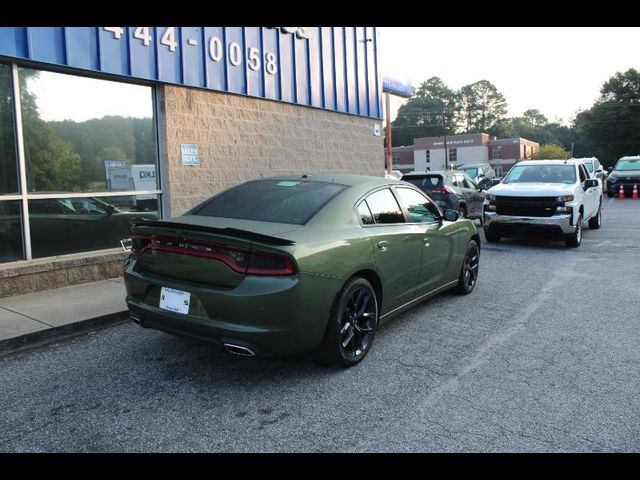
{"x":581,"y":172}
{"x":462,"y":181}
{"x":384,"y":207}
{"x":365,"y":214}
{"x":420,"y":208}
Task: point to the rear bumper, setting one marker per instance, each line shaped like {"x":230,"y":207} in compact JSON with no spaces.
{"x":505,"y":225}
{"x":268,"y":315}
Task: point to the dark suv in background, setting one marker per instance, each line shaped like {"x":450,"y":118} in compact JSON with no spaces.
{"x":481,"y":173}
{"x":625,"y":173}
{"x":451,"y":190}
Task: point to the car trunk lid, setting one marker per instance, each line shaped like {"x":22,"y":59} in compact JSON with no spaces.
{"x":212,"y":251}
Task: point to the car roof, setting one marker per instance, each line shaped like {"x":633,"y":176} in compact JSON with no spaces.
{"x":569,"y":161}
{"x":473,"y":165}
{"x":339,"y":178}
{"x":431,"y":172}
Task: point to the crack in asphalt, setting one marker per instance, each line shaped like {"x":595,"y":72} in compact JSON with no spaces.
{"x":481,"y":357}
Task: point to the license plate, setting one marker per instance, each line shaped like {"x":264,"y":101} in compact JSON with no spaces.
{"x":174,"y":300}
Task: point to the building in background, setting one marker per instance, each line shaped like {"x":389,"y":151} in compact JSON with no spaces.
{"x":102,"y":124}
{"x":429,"y":153}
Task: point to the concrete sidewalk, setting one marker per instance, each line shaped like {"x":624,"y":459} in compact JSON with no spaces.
{"x":38,"y":318}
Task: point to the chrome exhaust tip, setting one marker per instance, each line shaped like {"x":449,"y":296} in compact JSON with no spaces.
{"x":238,"y":350}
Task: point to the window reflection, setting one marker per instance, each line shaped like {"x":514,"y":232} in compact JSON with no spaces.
{"x":86,"y":135}
{"x":10,"y":231}
{"x":68,"y":225}
{"x":384,"y":207}
{"x":8,"y":159}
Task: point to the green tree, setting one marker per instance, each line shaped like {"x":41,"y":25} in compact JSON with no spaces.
{"x":551,"y":152}
{"x":423,"y":115}
{"x":535,"y":118}
{"x":610,"y":129}
{"x":51,"y":163}
{"x":480,"y":107}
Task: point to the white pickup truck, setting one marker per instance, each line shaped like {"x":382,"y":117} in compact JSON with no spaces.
{"x":552,"y":197}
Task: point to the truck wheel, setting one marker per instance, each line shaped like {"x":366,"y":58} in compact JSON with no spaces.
{"x":595,"y":222}
{"x":575,"y":238}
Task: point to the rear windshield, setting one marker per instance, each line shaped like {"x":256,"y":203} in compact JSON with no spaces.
{"x":472,"y":172}
{"x":277,"y":201}
{"x":628,"y":165}
{"x":424,"y":182}
{"x":541,"y":174}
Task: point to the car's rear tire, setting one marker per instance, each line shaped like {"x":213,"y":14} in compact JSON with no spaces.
{"x":610,"y":194}
{"x":469,"y":271}
{"x":596,"y":222}
{"x":352,"y":325}
{"x":574,"y":239}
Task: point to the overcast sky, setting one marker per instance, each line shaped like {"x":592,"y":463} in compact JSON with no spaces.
{"x":557,"y":70}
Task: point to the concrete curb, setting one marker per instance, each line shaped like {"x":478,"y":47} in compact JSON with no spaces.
{"x":40,"y":338}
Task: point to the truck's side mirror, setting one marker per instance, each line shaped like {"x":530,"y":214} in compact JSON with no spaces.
{"x":590,"y":182}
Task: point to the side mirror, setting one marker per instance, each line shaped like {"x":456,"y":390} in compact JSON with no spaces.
{"x":110,"y":209}
{"x":590,"y":182}
{"x":609,"y":169}
{"x":451,"y":215}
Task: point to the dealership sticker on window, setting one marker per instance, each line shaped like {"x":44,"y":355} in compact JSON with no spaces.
{"x":190,"y":154}
{"x":174,"y":300}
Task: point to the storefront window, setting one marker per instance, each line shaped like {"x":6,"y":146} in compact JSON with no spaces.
{"x":10,"y":231}
{"x":8,"y":159}
{"x":68,"y":225}
{"x":86,"y":135}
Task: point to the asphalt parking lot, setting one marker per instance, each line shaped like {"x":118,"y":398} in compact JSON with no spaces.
{"x":542,"y":357}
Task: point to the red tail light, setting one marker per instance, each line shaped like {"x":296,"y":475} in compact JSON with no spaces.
{"x":240,"y":260}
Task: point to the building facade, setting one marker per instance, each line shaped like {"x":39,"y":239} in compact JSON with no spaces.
{"x":99,"y":125}
{"x":428,"y":154}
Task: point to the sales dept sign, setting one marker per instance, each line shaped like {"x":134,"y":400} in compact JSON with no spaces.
{"x":189,"y":153}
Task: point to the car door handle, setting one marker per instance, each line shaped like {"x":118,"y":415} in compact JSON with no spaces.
{"x":383,"y":245}
{"x":426,"y":241}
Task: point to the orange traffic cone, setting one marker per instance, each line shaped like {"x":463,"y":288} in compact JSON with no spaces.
{"x":634,"y":195}
{"x":621,"y":194}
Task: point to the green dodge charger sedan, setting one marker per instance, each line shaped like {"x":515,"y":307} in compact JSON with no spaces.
{"x":299,"y":263}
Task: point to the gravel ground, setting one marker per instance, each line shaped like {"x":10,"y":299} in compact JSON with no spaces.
{"x":542,"y":357}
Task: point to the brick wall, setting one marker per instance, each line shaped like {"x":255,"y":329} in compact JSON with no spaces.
{"x":242,"y":138}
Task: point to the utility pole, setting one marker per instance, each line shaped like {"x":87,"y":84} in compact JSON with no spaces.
{"x":571,"y":149}
{"x":389,"y":159}
{"x":446,"y":150}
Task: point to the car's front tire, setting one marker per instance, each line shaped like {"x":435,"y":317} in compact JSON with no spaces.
{"x":352,"y":325}
{"x":469,"y":271}
{"x":574,"y":239}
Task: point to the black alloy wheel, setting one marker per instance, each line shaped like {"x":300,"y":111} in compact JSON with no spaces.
{"x":470,"y":267}
{"x":352,"y":325}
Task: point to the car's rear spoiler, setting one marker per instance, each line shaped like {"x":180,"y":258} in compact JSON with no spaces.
{"x":228,"y":232}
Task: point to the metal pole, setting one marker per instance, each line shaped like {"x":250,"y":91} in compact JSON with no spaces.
{"x":389,"y":156}
{"x":446,"y":150}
